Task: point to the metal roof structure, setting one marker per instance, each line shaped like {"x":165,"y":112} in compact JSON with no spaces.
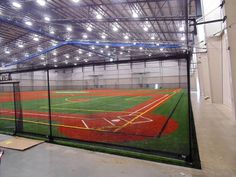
{"x":66,"y":32}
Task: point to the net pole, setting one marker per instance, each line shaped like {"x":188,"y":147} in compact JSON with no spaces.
{"x":189,"y":159}
{"x":50,"y":137}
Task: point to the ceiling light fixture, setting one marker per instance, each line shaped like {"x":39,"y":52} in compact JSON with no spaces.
{"x":89,"y":28}
{"x":181,"y":28}
{"x":28,"y":23}
{"x":17,"y":5}
{"x":85,"y":36}
{"x":47,"y":19}
{"x":145,"y":28}
{"x":36,"y":38}
{"x":126,"y":37}
{"x":115,"y":28}
{"x":103,"y":36}
{"x":69,"y":28}
{"x":99,"y":16}
{"x":134,"y":15}
{"x":41,"y":2}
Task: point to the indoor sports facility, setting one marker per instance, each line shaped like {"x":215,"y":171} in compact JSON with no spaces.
{"x":135,"y":78}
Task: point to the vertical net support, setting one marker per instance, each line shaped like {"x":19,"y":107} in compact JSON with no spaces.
{"x":18,"y":108}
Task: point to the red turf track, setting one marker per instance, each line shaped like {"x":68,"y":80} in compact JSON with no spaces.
{"x":132,"y":132}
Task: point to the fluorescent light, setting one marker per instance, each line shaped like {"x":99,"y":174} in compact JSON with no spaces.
{"x":122,"y":47}
{"x":157,"y":44}
{"x":134,"y":15}
{"x":109,"y":54}
{"x":101,"y":51}
{"x":97,"y":42}
{"x":28,"y":23}
{"x":103,"y":36}
{"x":106,"y":46}
{"x":55,"y":60}
{"x":7,"y":52}
{"x":20,"y":45}
{"x":17,"y":5}
{"x":115,"y":28}
{"x":85,"y":36}
{"x":47,"y":19}
{"x":42,"y":58}
{"x":89,"y":54}
{"x":121,"y":53}
{"x":52,"y":32}
{"x":55,"y":66}
{"x":140,"y":48}
{"x":145,"y":28}
{"x":183,"y":38}
{"x":67,"y":56}
{"x":111,"y":59}
{"x":41,"y":2}
{"x":66,"y":62}
{"x":89,"y":28}
{"x":181,"y":28}
{"x":36,"y":38}
{"x":69,"y":28}
{"x":134,"y":43}
{"x":161,"y":49}
{"x":93,"y":47}
{"x":75,"y":64}
{"x":126,"y":37}
{"x":77,"y":58}
{"x":76,"y":1}
{"x":54,"y":53}
{"x":99,"y":16}
{"x":153,"y":38}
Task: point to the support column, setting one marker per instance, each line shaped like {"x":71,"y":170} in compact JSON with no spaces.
{"x":214,"y":45}
{"x":230,"y":12}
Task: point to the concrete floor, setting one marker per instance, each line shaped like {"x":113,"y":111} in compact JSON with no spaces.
{"x":216,"y":131}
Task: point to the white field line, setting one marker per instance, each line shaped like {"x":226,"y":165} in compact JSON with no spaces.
{"x":109,"y":122}
{"x":84,"y":123}
{"x":148,"y":105}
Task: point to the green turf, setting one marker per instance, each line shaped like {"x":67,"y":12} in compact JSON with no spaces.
{"x":94,"y":105}
{"x":178,"y":141}
{"x":9,"y":126}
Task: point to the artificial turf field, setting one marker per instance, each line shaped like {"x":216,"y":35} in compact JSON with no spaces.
{"x":140,"y":118}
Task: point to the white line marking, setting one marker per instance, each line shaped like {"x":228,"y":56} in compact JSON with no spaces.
{"x":148,"y":105}
{"x":123,"y":119}
{"x":109,"y":121}
{"x":115,"y":120}
{"x":84,"y":124}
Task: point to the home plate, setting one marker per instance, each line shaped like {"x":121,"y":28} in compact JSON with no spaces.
{"x":115,"y":120}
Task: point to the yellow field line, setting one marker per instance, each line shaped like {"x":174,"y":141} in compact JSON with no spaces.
{"x":135,"y":118}
{"x":59,"y":125}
